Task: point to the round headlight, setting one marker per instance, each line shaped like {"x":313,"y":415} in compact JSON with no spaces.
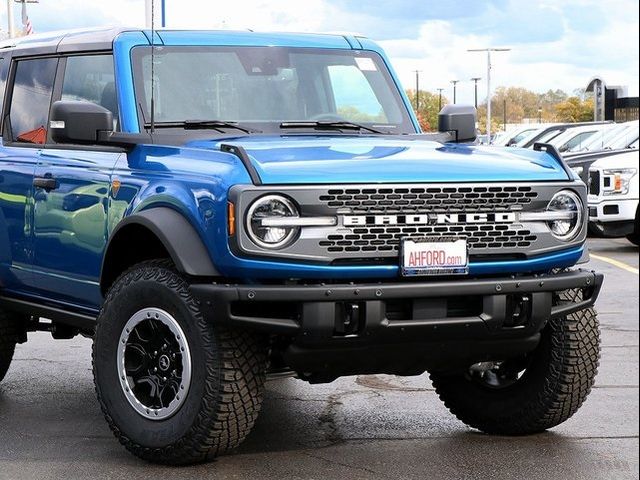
{"x":266,"y":221}
{"x":568,"y":227}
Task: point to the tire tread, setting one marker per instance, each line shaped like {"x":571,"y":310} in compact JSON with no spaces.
{"x":234,"y":385}
{"x":570,"y":375}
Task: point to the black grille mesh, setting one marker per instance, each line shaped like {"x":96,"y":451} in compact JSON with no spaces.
{"x":428,"y":199}
{"x":387,"y":238}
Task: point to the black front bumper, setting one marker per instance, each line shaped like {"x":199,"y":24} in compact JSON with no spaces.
{"x":401,"y":326}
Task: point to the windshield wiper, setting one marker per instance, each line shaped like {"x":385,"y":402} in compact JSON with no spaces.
{"x":204,"y":125}
{"x":330,"y":125}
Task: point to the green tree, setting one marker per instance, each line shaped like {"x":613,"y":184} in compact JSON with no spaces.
{"x":428,"y":108}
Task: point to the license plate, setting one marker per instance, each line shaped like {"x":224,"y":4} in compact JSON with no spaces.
{"x":434,"y":256}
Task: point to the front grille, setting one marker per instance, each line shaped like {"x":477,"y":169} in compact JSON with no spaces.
{"x":372,"y":240}
{"x":594,"y":182}
{"x":428,"y":199}
{"x":386,"y":238}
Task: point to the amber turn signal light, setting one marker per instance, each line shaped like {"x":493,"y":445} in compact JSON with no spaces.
{"x":231,"y":219}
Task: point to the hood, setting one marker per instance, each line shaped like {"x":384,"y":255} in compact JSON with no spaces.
{"x":373,"y":159}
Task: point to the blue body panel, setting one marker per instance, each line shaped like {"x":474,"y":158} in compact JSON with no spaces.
{"x":372,"y":159}
{"x":52,"y":245}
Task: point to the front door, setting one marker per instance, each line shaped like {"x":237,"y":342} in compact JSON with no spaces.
{"x":71,"y":203}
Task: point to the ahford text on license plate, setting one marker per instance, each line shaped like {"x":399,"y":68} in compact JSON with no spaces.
{"x":434,"y":256}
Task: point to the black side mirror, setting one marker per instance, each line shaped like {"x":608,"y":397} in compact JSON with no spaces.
{"x":459,"y":119}
{"x":79,"y":122}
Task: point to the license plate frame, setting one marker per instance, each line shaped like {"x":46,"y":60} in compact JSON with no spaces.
{"x":433,"y":256}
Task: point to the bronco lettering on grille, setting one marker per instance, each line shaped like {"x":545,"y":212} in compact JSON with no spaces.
{"x":429,"y":219}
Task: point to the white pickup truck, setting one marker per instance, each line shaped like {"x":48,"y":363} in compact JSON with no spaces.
{"x":613,"y":196}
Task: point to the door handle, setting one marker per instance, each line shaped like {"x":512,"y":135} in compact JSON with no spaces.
{"x":46,"y":183}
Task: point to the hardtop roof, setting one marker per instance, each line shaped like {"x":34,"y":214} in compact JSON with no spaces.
{"x":102,"y":38}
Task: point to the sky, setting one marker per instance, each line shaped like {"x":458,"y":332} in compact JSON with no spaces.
{"x":554,"y":43}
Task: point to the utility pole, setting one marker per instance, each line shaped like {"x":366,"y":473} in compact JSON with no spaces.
{"x":455,"y":82}
{"x":417,"y":89}
{"x":488,"y":50}
{"x":440,"y":98}
{"x":475,"y":90}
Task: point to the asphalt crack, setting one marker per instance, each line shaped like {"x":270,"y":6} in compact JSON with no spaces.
{"x":333,"y":461}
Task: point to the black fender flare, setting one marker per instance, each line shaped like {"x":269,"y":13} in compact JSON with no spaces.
{"x":177,"y":235}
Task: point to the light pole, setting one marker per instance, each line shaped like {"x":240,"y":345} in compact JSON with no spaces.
{"x":440,"y":98}
{"x":455,"y":82}
{"x":488,"y":50}
{"x":475,"y":89}
{"x":417,"y":89}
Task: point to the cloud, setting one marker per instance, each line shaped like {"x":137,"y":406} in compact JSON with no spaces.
{"x":555,"y":44}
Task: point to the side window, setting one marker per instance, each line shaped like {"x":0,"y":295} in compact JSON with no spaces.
{"x":31,"y":99}
{"x":91,"y":79}
{"x":353,"y":95}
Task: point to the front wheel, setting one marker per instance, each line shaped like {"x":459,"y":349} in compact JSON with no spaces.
{"x":533,"y":393}
{"x":173,"y":388}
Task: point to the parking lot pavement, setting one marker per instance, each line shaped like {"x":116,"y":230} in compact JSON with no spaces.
{"x":373,"y":427}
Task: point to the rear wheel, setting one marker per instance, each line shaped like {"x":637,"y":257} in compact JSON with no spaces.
{"x":9,"y":335}
{"x":535,"y":392}
{"x":173,"y":389}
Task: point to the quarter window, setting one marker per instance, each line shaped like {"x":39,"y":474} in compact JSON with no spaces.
{"x":31,"y":99}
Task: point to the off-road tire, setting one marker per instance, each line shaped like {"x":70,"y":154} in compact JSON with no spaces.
{"x":228,"y":373}
{"x":553,"y":387}
{"x":9,"y":333}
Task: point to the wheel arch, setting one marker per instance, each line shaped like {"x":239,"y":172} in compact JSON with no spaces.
{"x":153,"y":233}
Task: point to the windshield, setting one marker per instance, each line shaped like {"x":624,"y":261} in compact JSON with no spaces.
{"x":263,"y":87}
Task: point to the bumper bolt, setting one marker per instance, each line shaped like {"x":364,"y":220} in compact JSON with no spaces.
{"x":588,"y":282}
{"x":328,"y":293}
{"x":541,"y":284}
{"x":498,"y":288}
{"x":251,"y":295}
{"x":378,"y":293}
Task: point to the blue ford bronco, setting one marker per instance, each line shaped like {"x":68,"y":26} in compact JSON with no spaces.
{"x":212,"y":208}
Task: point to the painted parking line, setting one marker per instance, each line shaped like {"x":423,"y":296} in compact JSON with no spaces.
{"x":616,"y":263}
